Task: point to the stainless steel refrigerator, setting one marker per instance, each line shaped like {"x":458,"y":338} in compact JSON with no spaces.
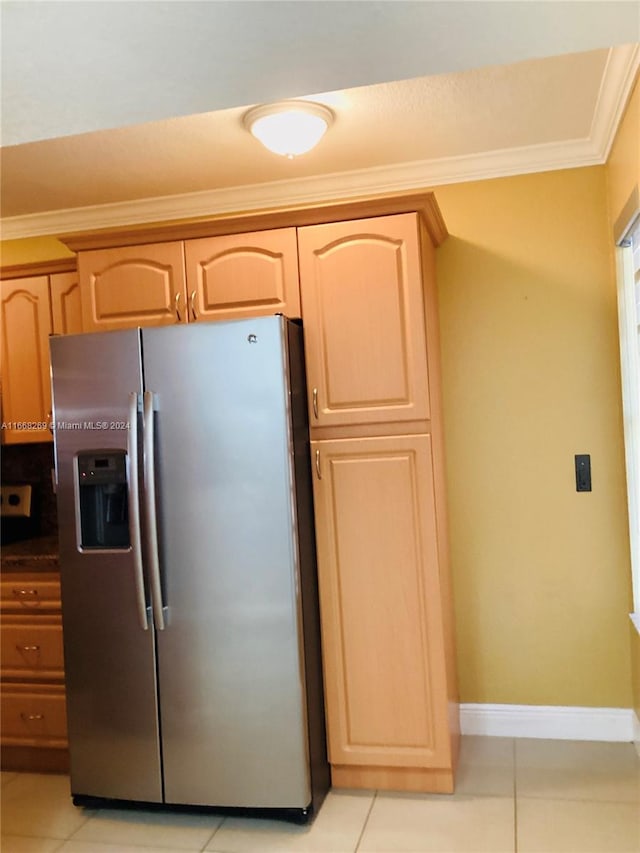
{"x":189,"y":594}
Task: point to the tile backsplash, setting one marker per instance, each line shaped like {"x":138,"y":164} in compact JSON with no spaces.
{"x":32,"y":463}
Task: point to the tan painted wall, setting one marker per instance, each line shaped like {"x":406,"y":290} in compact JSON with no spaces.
{"x":623,"y":175}
{"x":32,"y":250}
{"x":531,"y":377}
{"x":530,"y":359}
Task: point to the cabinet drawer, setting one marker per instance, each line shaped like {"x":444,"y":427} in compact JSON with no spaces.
{"x":30,"y":650}
{"x":23,"y":593}
{"x":34,"y":716}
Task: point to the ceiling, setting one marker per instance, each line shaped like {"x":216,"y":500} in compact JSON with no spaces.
{"x":113,"y":131}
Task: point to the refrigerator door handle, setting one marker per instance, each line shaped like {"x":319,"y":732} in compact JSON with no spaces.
{"x":159,"y":610}
{"x":134,"y":510}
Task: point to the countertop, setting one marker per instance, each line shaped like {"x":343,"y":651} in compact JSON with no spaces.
{"x":30,"y":555}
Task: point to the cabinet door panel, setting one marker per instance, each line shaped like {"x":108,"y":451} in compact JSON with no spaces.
{"x":26,"y":391}
{"x":243,"y":275}
{"x":132,"y":286}
{"x":386,"y":689}
{"x":364,"y":321}
{"x":66,"y":307}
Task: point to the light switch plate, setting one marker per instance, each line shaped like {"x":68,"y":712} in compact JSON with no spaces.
{"x":15,"y":501}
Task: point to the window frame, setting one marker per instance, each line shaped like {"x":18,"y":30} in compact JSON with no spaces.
{"x":627,"y":238}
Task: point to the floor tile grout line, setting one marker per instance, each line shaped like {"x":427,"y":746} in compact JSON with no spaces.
{"x":366,"y":821}
{"x":92,"y":813}
{"x":213,"y":834}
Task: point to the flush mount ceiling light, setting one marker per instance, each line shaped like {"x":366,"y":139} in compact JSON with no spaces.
{"x":289,"y":128}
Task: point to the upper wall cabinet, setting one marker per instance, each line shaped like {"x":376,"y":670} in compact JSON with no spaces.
{"x":243,"y":275}
{"x":361,"y":288}
{"x":26,"y":391}
{"x":66,"y":306}
{"x":132,"y":286}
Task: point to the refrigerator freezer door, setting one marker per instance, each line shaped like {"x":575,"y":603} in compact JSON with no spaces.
{"x":109,"y":657}
{"x":230,"y":658}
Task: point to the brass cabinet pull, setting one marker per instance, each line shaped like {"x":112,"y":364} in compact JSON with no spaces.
{"x":24,"y":592}
{"x":192,"y":302}
{"x":318,"y":472}
{"x":315,"y":402}
{"x":27,"y":717}
{"x":177,"y":302}
{"x":27,"y":648}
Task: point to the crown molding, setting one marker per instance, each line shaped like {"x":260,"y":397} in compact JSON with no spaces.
{"x":60,"y":265}
{"x":618,"y":78}
{"x":339,"y":186}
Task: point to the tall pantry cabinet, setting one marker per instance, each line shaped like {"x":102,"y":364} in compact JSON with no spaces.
{"x":371,"y":333}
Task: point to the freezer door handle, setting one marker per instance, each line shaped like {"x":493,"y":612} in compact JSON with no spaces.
{"x":134,"y":510}
{"x":150,"y":509}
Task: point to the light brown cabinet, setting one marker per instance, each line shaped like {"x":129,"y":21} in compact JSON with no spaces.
{"x":33,"y":306}
{"x":361,"y":289}
{"x":385,"y":676}
{"x":213,"y":278}
{"x":369,"y":307}
{"x":132,"y":286}
{"x":34,"y":730}
{"x":243,"y":275}
{"x":66,"y":305}
{"x":26,"y":391}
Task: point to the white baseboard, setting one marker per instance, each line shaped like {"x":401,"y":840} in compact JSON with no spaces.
{"x":549,"y":721}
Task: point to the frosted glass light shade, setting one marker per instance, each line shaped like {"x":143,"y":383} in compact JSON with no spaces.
{"x":289,"y":128}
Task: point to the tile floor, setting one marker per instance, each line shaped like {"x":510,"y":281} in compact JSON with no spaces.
{"x":530,"y":796}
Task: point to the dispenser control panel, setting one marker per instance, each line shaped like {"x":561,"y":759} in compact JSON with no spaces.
{"x":102,"y":500}
{"x":109,"y":467}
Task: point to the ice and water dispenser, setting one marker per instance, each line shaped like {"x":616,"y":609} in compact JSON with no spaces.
{"x":102,"y":500}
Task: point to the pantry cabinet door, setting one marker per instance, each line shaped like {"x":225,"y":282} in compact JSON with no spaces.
{"x":363,"y":314}
{"x":132,"y":286}
{"x":26,"y":388}
{"x":243,"y":275}
{"x":381,"y":603}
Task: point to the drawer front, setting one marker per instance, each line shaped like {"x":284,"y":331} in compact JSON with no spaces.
{"x":31,"y":651}
{"x":25,"y":593}
{"x":33,"y":717}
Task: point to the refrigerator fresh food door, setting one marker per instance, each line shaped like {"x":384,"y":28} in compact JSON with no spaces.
{"x":109,"y":656}
{"x":230,"y":661}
